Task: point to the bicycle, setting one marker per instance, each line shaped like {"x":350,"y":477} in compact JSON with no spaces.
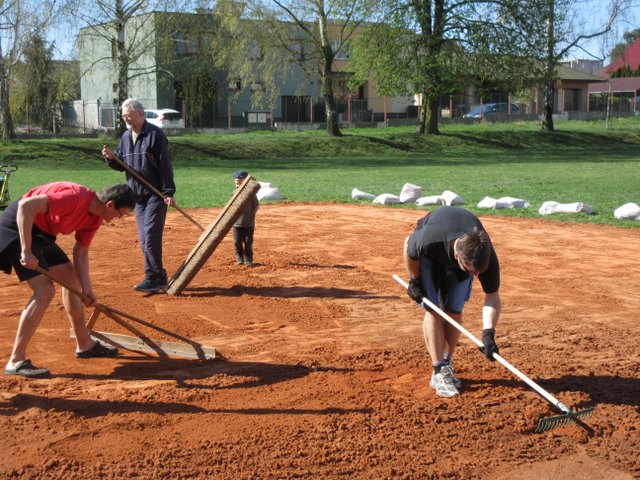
{"x":5,"y":197}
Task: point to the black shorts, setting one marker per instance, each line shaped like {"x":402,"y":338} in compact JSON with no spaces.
{"x":44,"y":247}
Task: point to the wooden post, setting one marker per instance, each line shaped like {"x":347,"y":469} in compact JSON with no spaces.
{"x":311,"y":111}
{"x":385,"y":109}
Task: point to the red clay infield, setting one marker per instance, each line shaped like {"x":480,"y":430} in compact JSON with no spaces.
{"x":325,"y":372}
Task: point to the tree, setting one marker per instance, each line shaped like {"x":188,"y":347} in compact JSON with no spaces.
{"x":35,"y":92}
{"x":19,"y":21}
{"x":554,"y":29}
{"x":265,"y":39}
{"x":127,"y":29}
{"x":433,"y":48}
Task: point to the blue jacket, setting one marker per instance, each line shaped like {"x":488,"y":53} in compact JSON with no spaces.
{"x":149,"y":156}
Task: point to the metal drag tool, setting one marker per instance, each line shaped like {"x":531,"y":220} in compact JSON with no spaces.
{"x":567,"y":417}
{"x":185,"y":348}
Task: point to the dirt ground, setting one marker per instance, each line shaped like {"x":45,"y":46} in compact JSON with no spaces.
{"x":323,"y":371}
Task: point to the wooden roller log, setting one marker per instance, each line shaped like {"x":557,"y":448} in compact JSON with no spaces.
{"x":212,"y":236}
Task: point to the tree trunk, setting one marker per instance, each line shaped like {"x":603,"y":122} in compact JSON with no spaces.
{"x":326,"y":70}
{"x":6,"y":121}
{"x":547,"y":106}
{"x":422,"y":114}
{"x":549,"y":70}
{"x":122,"y":88}
{"x":333,"y":128}
{"x":432,"y":116}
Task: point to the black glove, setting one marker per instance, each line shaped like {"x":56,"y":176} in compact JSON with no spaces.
{"x":415,"y":291}
{"x":489,"y":343}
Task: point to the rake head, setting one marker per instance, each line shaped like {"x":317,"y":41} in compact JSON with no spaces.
{"x":566,"y":418}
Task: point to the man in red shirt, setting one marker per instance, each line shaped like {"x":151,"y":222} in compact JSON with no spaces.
{"x":28,"y":230}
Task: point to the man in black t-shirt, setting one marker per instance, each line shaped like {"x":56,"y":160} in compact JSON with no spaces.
{"x":447,"y":249}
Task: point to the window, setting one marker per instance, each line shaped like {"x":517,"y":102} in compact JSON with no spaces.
{"x":257,"y":86}
{"x":234,"y":86}
{"x":255,"y":51}
{"x":184,"y":44}
{"x":297,"y":50}
{"x":341,"y":52}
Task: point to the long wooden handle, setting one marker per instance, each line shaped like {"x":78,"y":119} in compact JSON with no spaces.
{"x":155,"y":190}
{"x":96,"y":305}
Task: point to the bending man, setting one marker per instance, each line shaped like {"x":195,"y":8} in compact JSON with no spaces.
{"x":447,"y":249}
{"x":28,"y":230}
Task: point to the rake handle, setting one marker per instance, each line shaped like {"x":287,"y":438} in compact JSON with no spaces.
{"x":148,"y":184}
{"x":557,"y":403}
{"x":98,"y":306}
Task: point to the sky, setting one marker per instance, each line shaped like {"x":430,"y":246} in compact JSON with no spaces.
{"x":594,"y":11}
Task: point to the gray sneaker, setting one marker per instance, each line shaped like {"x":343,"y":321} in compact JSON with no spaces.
{"x":456,"y":380}
{"x":442,"y":383}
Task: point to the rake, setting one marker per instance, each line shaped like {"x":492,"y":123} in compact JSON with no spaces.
{"x":567,"y":417}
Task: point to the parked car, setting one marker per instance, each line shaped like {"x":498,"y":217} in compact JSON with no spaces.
{"x":164,"y":118}
{"x":494,"y":110}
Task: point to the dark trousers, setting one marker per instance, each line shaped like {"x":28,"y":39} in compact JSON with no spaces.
{"x":151,"y":213}
{"x":243,"y":242}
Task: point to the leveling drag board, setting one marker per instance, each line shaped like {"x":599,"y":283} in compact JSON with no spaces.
{"x":212,"y":236}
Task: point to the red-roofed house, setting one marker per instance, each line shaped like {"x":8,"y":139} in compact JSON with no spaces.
{"x":622,"y":91}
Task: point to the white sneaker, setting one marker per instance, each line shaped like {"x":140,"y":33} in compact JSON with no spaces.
{"x":456,"y":380}
{"x":442,"y":383}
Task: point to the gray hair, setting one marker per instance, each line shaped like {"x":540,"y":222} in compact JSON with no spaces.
{"x":133,"y":104}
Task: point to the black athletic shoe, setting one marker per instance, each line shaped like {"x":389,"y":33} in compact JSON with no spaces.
{"x":149,"y":285}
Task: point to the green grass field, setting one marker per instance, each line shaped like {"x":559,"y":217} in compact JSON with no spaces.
{"x":591,"y":162}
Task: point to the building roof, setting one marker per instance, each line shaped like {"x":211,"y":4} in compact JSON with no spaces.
{"x":571,"y":74}
{"x":616,"y":85}
{"x":631,"y":57}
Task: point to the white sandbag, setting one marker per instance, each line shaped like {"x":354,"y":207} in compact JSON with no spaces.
{"x":512,"y":202}
{"x":487,"y":202}
{"x":360,"y":195}
{"x":430,"y":200}
{"x":502,"y":202}
{"x":268,"y":193}
{"x":554,"y":207}
{"x":629,"y":211}
{"x":265,"y":185}
{"x":410,"y":193}
{"x":450,"y":198}
{"x":386,"y":199}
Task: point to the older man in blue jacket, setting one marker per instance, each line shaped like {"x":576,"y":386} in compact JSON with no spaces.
{"x":144,"y":148}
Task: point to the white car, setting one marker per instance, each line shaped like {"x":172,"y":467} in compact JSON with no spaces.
{"x":164,"y":118}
